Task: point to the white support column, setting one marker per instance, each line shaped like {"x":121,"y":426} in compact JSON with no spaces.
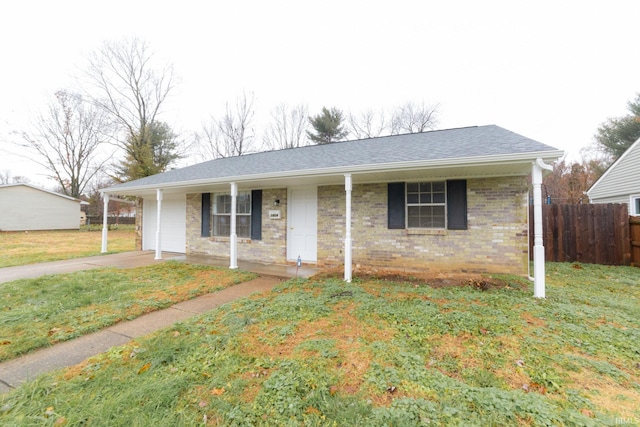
{"x":347,"y":238}
{"x":538,"y":245}
{"x":233,"y":241}
{"x":158,"y":224}
{"x":105,"y":223}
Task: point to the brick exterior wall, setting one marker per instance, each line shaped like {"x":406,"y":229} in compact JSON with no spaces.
{"x":495,"y":241}
{"x":271,"y":249}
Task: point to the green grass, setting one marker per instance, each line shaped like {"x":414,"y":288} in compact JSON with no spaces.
{"x":39,"y":312}
{"x":320,"y":352}
{"x":22,"y":248}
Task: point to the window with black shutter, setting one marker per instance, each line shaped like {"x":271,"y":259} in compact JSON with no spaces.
{"x":216,"y":214}
{"x":427,"y":205}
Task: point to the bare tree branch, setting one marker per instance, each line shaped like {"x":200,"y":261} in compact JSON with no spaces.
{"x":65,"y":141}
{"x":232,"y":134}
{"x":368,"y":124}
{"x":414,"y":118}
{"x":288,"y":127}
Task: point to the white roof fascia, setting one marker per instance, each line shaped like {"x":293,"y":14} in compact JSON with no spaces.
{"x":382,"y":167}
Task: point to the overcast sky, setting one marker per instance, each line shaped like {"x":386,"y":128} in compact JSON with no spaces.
{"x":549,"y":70}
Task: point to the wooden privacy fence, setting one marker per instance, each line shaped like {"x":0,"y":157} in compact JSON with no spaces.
{"x":634,"y":225}
{"x":111,"y":220}
{"x":590,"y":233}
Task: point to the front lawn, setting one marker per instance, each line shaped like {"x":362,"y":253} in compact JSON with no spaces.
{"x":322,"y":352}
{"x":29,"y":247}
{"x":39,"y":312}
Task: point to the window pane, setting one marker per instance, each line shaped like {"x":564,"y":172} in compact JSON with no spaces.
{"x":413,"y":198}
{"x":412,"y":187}
{"x":243,"y":225}
{"x":223,"y":204}
{"x":438,"y":187}
{"x":425,"y":187}
{"x":425,"y":198}
{"x":438,"y":197}
{"x":438,"y":217}
{"x":637,"y":203}
{"x":243,"y":203}
{"x":221,"y":225}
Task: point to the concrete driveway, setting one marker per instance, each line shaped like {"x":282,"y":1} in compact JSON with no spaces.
{"x":120,"y":260}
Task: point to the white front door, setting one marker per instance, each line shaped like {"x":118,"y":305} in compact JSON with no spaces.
{"x":302,"y":238}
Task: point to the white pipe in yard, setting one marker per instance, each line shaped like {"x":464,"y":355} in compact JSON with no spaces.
{"x":347,"y":239}
{"x":538,"y":244}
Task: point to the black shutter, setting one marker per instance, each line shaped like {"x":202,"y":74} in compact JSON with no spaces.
{"x":206,"y":214}
{"x":256,"y":215}
{"x":395,"y":205}
{"x":457,"y":205}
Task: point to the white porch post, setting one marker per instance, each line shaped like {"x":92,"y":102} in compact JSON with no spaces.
{"x":538,"y":245}
{"x":347,"y":238}
{"x":105,"y":224}
{"x":233,"y":241}
{"x":158,"y":224}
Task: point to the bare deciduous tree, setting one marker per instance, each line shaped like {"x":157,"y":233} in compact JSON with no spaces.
{"x":288,"y":127}
{"x":414,"y":118}
{"x":65,"y":141}
{"x":232,"y":134}
{"x":7,"y":178}
{"x":369,"y":124}
{"x":126,"y":83}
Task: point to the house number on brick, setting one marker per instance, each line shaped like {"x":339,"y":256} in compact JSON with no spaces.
{"x":274,"y":214}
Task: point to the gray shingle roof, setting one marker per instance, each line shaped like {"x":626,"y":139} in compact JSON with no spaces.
{"x":441,"y":145}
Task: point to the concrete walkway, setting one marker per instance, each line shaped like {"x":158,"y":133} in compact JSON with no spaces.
{"x":28,"y":367}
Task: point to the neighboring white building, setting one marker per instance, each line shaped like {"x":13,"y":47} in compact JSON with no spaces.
{"x":26,"y":207}
{"x":621,"y":182}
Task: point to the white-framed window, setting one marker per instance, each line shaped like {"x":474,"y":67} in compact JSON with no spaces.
{"x":426,"y":205}
{"x":221,"y":214}
{"x":634,"y":205}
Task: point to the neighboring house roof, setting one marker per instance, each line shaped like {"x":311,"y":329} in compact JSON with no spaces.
{"x":470,"y":150}
{"x":44,"y":191}
{"x":620,"y":180}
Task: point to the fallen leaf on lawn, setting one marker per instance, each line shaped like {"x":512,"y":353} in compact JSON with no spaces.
{"x":53,"y":331}
{"x":5,"y":342}
{"x":587,"y":412}
{"x":217,"y":391}
{"x":60,"y":421}
{"x":144,"y":368}
{"x":49,"y":411}
{"x":203,"y":403}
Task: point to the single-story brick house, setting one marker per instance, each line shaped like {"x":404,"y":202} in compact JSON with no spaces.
{"x":26,"y":207}
{"x":620,"y":183}
{"x":447,"y":200}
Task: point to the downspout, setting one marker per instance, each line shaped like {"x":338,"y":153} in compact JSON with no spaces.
{"x":105,"y":224}
{"x":538,"y":245}
{"x":347,"y":238}
{"x":233,"y":238}
{"x":158,"y":224}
